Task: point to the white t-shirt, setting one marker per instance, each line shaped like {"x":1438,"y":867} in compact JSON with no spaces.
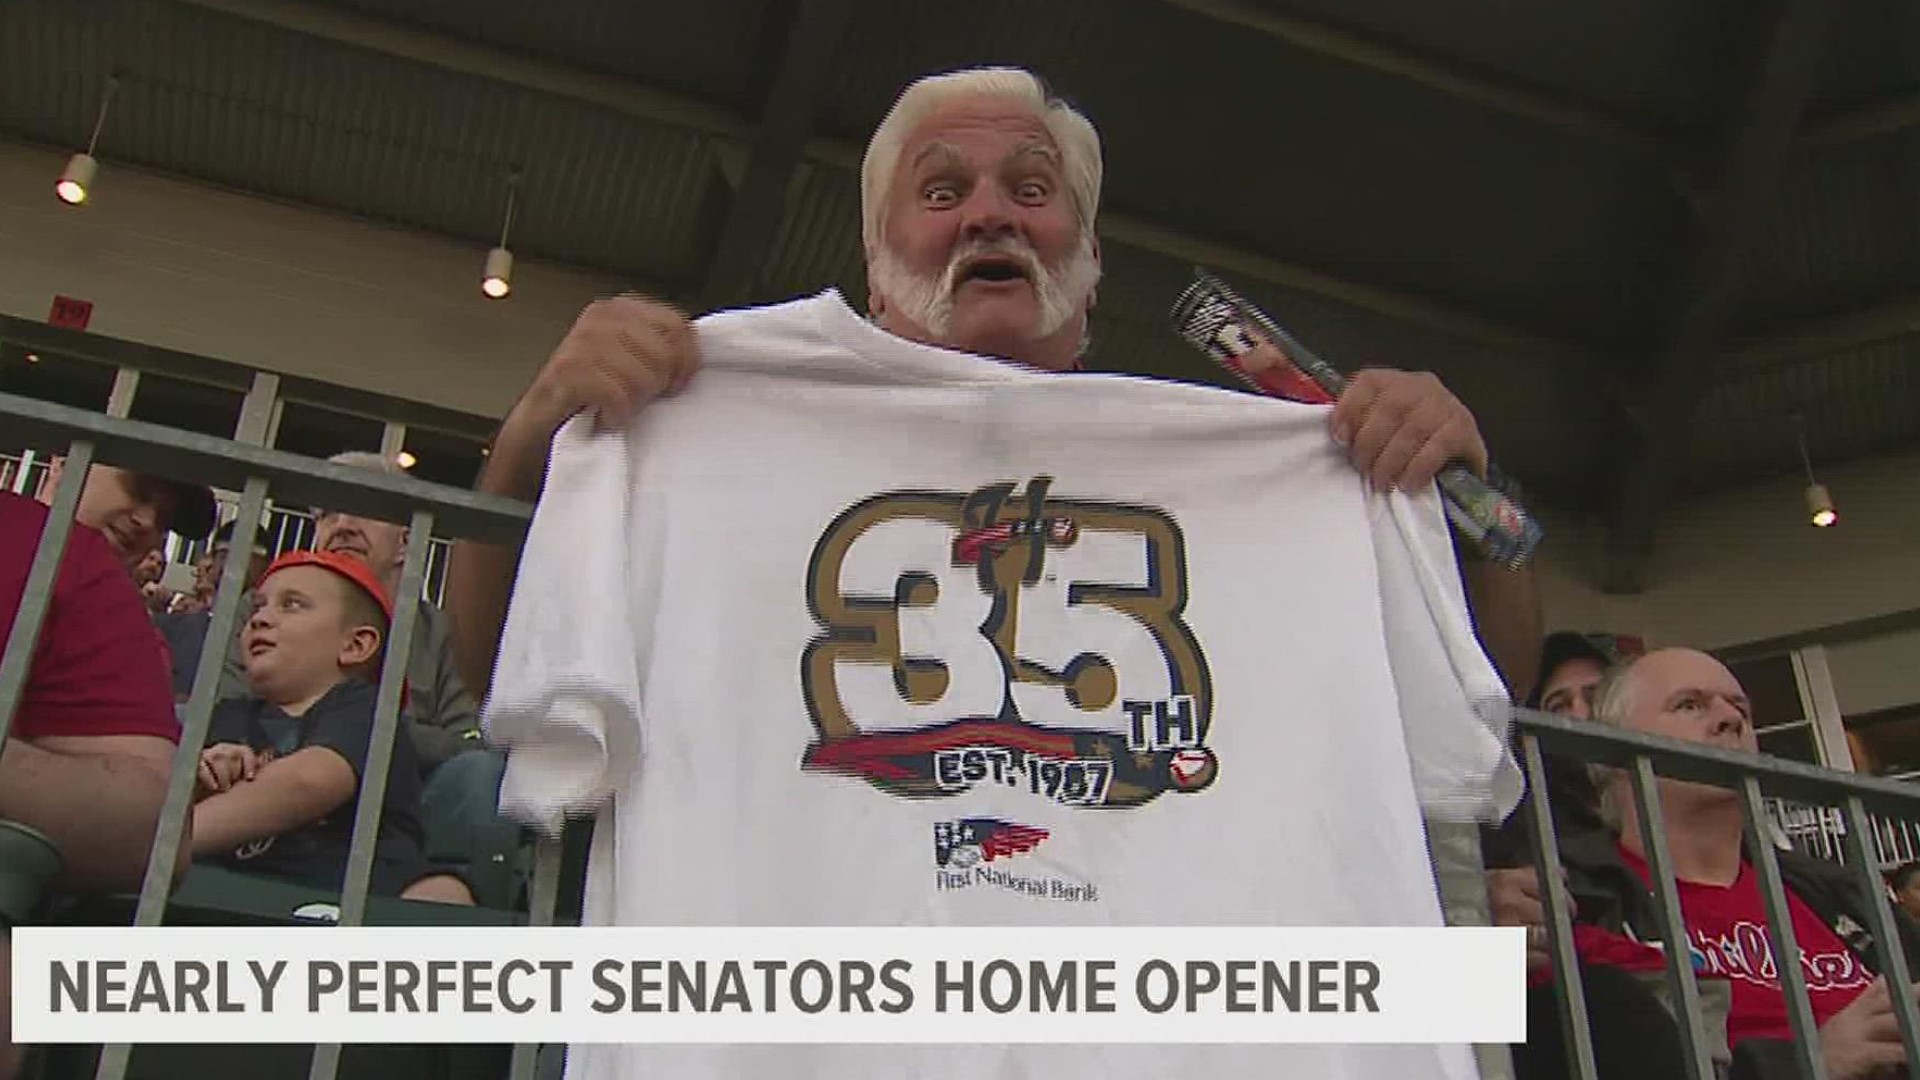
{"x":819,"y":636}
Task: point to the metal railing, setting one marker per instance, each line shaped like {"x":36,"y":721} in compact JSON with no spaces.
{"x":287,"y":528}
{"x":1821,"y":831}
{"x":92,"y":438}
{"x":259,"y":473}
{"x":1647,"y":758}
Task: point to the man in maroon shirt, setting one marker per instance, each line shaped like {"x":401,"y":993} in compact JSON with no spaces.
{"x":134,"y":510}
{"x":1683,"y":694}
{"x":92,"y":740}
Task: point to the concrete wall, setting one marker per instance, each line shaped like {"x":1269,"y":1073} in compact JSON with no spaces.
{"x":280,"y":287}
{"x":1878,"y":673}
{"x":1746,"y":566}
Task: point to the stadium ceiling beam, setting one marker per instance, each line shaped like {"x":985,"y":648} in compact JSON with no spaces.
{"x":1784,"y":72}
{"x":1895,"y":112}
{"x":814,"y":35}
{"x":345,"y":27}
{"x":628,"y":98}
{"x":1883,"y":116}
{"x":1449,"y":78}
{"x":1895,"y":317}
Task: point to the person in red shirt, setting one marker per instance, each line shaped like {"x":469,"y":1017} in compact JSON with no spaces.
{"x":93,"y":736}
{"x":1684,"y":694}
{"x":133,"y":511}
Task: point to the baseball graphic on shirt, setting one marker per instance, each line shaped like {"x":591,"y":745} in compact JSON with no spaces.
{"x":1004,"y":638}
{"x":1192,"y":769}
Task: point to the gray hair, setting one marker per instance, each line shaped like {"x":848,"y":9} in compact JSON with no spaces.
{"x":367,"y":459}
{"x":1073,"y":133}
{"x":1612,"y":706}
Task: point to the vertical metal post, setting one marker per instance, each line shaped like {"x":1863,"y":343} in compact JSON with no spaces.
{"x":373,"y":781}
{"x":1822,"y":707}
{"x":36,"y":597}
{"x":1890,"y":956}
{"x":158,"y":884}
{"x":1673,"y":924}
{"x":393,"y":439}
{"x":126,"y":383}
{"x":258,"y":410}
{"x":545,"y":897}
{"x":1574,"y":1027}
{"x":26,"y":470}
{"x":253,"y":427}
{"x":157,"y":887}
{"x":1785,"y":944}
{"x":1459,"y":869}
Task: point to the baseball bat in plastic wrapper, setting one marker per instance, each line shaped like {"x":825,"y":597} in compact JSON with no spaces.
{"x":1218,"y":321}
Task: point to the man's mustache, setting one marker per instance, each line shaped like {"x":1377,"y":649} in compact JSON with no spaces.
{"x":1013,"y":250}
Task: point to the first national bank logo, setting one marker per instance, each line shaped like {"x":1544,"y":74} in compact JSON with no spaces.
{"x":963,"y":851}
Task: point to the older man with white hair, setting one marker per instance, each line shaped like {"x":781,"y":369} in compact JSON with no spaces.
{"x":663,"y":601}
{"x":979,"y":195}
{"x":1686,"y":694}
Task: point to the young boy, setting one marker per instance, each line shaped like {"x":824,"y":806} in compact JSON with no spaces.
{"x":280,"y":777}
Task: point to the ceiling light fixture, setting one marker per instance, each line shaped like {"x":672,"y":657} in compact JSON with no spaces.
{"x":1820,"y":505}
{"x":405,"y":459}
{"x":497,"y":279}
{"x":76,"y":180}
{"x":1820,"y":509}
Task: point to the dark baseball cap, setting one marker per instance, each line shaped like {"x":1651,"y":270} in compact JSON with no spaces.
{"x":1566,"y":645}
{"x":194,"y":510}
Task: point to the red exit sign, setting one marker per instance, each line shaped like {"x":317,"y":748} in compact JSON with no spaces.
{"x":71,"y":313}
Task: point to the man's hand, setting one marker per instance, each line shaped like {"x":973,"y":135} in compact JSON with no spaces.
{"x":157,"y":596}
{"x":1514,"y":896}
{"x":1862,"y":1040}
{"x":620,"y":354}
{"x":223,"y":765}
{"x":1402,"y":427}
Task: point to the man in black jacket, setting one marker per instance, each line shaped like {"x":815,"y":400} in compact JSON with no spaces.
{"x":1634,"y":1037}
{"x":1688,"y":695}
{"x":1571,"y":667}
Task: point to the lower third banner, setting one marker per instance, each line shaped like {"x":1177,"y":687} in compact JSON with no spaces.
{"x":770,"y":985}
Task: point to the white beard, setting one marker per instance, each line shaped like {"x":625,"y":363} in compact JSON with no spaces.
{"x":927,"y":299}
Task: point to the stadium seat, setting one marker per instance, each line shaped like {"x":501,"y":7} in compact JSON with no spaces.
{"x":212,"y":896}
{"x":28,"y":863}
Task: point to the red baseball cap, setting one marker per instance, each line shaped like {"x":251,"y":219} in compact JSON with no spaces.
{"x":347,"y":566}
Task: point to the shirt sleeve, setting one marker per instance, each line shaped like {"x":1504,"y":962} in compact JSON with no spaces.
{"x":100,"y":667}
{"x":1453,"y":704}
{"x":441,"y":712}
{"x":343,"y":723}
{"x":233,"y":670}
{"x":565,"y":697}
